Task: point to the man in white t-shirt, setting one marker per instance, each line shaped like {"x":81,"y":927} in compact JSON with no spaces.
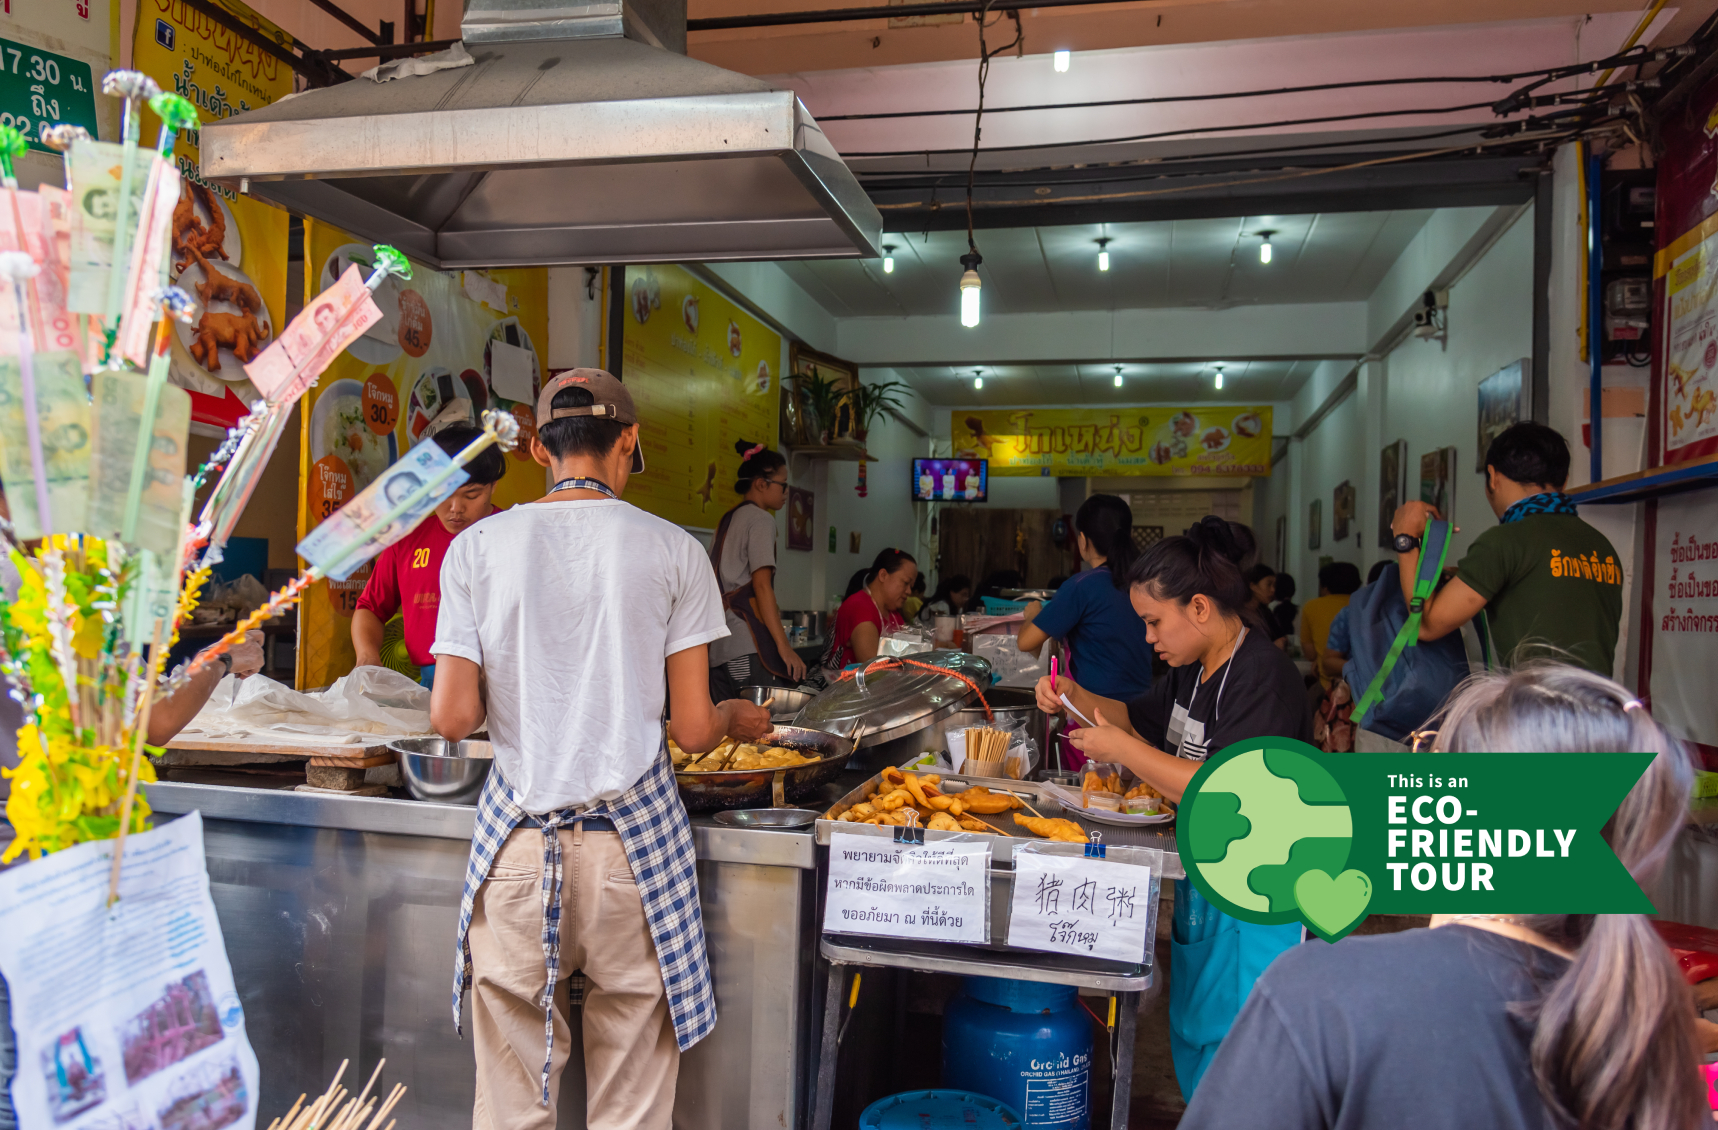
{"x":568,"y":621}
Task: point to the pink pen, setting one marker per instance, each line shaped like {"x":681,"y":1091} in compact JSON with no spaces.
{"x":1053,"y":675}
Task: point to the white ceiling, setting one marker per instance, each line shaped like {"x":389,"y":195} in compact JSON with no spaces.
{"x":1208,"y":263}
{"x":1244,"y":382}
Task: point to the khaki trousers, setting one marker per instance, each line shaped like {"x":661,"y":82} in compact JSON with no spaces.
{"x":631,"y":1057}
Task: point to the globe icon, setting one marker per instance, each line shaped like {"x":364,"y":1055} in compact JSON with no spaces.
{"x":1259,"y":818}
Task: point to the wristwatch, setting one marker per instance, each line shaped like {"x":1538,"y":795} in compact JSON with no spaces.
{"x":226,"y":658}
{"x":1405,"y":543}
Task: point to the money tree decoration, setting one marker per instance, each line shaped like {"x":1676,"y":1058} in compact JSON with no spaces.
{"x":92,"y":441}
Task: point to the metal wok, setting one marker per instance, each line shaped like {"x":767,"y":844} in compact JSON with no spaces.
{"x":765,"y":788}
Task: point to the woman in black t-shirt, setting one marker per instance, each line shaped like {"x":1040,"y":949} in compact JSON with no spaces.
{"x":1226,"y":684}
{"x":1520,"y":1022}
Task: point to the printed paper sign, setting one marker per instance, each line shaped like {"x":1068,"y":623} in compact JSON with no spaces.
{"x":361,"y":519}
{"x":126,"y":1017}
{"x":1071,"y":904}
{"x":935,"y":892}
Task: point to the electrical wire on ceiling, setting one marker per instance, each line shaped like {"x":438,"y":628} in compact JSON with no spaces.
{"x":984,"y":56}
{"x":1626,"y":58}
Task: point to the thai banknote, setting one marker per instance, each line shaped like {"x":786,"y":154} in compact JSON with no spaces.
{"x":119,"y":404}
{"x":95,"y":169}
{"x":63,"y":413}
{"x":361,"y":522}
{"x":272,"y":371}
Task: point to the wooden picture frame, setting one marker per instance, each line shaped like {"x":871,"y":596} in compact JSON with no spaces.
{"x":1392,"y":487}
{"x":798,"y":420}
{"x":1341,"y":511}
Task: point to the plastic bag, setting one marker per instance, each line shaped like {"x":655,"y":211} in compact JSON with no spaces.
{"x":370,"y":703}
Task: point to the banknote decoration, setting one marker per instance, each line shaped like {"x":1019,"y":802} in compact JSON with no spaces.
{"x":327,"y":545}
{"x":63,"y":413}
{"x":95,"y":173}
{"x":119,"y":403}
{"x":333,"y":320}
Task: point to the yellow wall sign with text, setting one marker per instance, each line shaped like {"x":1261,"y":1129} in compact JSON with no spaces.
{"x":229,"y":251}
{"x":703,"y":374}
{"x":1153,"y":440}
{"x":437,"y":352}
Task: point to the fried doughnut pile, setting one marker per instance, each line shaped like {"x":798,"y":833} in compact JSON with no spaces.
{"x":736,"y":756}
{"x":897,"y":793}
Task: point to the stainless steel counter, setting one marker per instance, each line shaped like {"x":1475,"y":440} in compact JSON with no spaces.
{"x":339,"y":916}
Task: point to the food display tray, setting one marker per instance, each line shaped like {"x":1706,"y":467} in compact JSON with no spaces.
{"x":1002,"y":847}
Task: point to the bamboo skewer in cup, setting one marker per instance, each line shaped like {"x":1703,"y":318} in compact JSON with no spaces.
{"x":986,"y":751}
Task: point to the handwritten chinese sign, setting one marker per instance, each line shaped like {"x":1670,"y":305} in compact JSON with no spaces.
{"x":1071,"y":904}
{"x":936,"y":892}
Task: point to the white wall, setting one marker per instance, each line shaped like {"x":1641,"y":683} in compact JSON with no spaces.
{"x":1424,"y":392}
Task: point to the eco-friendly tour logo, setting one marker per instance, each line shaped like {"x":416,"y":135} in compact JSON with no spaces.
{"x":1275,"y":830}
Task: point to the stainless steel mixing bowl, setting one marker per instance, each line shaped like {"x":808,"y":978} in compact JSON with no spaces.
{"x":439,"y":770}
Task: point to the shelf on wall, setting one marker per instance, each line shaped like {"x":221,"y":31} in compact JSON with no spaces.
{"x":1653,"y":483}
{"x":834,"y":452}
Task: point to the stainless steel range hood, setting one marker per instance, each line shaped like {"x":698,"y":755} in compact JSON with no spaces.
{"x":579,"y":136}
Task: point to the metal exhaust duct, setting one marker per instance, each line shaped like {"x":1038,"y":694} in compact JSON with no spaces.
{"x":582,"y":134}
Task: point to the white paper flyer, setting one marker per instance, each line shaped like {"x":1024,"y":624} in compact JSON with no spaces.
{"x":126,"y":1019}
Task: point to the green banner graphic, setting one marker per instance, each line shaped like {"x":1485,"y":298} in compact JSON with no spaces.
{"x":1274,"y":830}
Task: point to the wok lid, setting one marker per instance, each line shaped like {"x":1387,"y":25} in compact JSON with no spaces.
{"x":893,"y":702}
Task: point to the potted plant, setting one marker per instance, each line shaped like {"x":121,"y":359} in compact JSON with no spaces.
{"x":870,"y":401}
{"x":823,"y":396}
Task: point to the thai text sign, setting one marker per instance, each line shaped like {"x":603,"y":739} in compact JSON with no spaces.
{"x":935,"y":892}
{"x":1153,"y":440}
{"x":1071,"y":904}
{"x":39,"y":88}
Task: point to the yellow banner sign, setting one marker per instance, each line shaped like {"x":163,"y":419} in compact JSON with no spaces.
{"x":703,"y":374}
{"x":229,"y":251}
{"x":1075,"y":442}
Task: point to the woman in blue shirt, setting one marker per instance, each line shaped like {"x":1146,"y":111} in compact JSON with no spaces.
{"x":1090,"y":613}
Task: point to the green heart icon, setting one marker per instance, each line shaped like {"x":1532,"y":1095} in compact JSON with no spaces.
{"x":1333,"y":907}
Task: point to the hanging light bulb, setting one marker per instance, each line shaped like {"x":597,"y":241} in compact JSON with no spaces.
{"x":1103,"y":254}
{"x":888,"y":258}
{"x":969,"y":287}
{"x":977,"y":379}
{"x":1219,"y":368}
{"x":1265,"y":247}
{"x":1118,"y":376}
{"x":1062,"y":58}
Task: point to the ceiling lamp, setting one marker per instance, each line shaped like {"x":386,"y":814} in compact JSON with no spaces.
{"x":1103,"y":254}
{"x":977,"y":379}
{"x":969,"y":287}
{"x":1265,"y":247}
{"x":888,"y":258}
{"x":1219,"y":368}
{"x":1118,"y":376}
{"x":1062,"y":58}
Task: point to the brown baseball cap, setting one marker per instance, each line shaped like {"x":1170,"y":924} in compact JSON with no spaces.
{"x":609,"y":400}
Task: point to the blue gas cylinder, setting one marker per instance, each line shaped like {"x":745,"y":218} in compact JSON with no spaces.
{"x":1026,"y":1043}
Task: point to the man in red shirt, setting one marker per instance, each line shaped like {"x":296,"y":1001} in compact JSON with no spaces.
{"x":407,"y":575}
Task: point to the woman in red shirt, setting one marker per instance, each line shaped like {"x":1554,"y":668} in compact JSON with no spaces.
{"x":874,"y":611}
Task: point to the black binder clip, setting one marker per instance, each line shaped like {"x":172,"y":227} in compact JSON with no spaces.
{"x":912,"y":832}
{"x":1095,"y":847}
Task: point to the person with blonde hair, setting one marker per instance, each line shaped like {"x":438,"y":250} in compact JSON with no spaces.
{"x":1497,"y":1020}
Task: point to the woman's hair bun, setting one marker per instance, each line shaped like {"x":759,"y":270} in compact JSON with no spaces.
{"x":1213,"y":534}
{"x":744,"y":447}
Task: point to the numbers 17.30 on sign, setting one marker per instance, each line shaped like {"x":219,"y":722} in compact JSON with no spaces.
{"x":39,"y":88}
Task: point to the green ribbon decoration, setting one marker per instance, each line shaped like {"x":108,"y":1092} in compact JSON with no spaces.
{"x":12,"y":146}
{"x":176,"y":113}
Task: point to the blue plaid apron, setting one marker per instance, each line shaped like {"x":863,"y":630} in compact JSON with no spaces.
{"x":657,"y":837}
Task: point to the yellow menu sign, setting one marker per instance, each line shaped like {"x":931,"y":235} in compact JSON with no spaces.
{"x":1155,"y":440}
{"x":703,"y":374}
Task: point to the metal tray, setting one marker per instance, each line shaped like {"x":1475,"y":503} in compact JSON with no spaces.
{"x":1002,"y":847}
{"x":765,"y":788}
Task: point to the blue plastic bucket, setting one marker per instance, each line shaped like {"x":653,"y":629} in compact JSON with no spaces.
{"x":939,"y":1110}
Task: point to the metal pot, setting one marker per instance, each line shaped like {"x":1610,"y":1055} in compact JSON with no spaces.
{"x":439,"y":770}
{"x":787,"y":702}
{"x":762,"y":788}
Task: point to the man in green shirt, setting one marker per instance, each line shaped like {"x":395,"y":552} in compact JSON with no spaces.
{"x":1550,"y":584}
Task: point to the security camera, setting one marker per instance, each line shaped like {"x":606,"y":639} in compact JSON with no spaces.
{"x":1425,"y":324}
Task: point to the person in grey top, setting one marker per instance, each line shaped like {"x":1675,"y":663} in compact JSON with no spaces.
{"x":756,"y":651}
